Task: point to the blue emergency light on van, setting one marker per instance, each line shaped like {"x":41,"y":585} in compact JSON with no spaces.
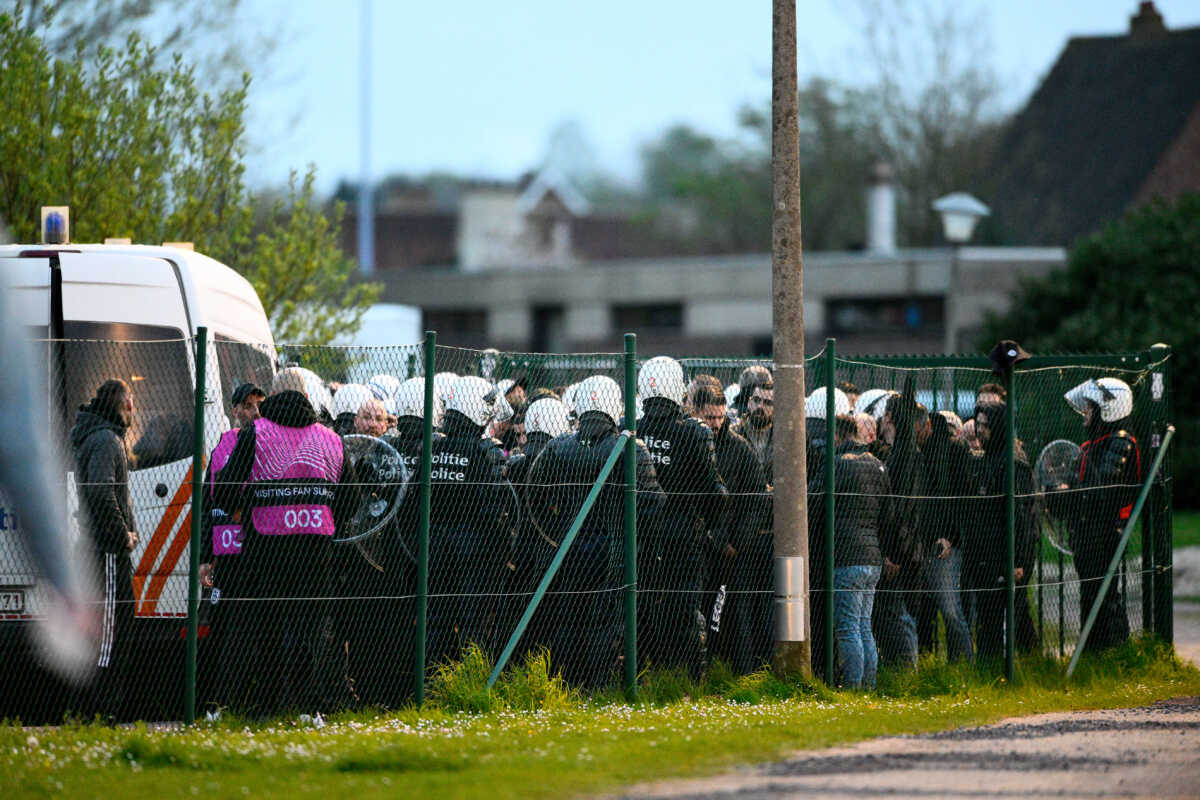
{"x":56,"y":228}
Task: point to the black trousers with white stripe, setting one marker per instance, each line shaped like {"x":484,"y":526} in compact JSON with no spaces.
{"x":114,"y":577}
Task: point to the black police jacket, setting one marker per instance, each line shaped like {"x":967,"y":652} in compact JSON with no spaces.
{"x":565,"y":470}
{"x":682,"y":451}
{"x":1110,"y":472}
{"x":468,"y":485}
{"x":862,"y":508}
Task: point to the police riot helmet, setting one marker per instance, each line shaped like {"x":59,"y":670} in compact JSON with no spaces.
{"x":662,"y":376}
{"x":319,"y":396}
{"x":409,"y":399}
{"x":384,"y":386}
{"x":731,"y":393}
{"x":442,"y":382}
{"x":350,"y":398}
{"x":1112,"y":396}
{"x":599,"y":393}
{"x":477,"y":400}
{"x":873,"y":402}
{"x":814,"y":406}
{"x":548,"y":415}
{"x":569,"y":397}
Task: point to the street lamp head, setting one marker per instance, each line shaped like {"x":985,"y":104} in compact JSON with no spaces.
{"x":960,"y":212}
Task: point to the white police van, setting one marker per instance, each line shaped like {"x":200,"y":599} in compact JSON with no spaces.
{"x":117,"y":310}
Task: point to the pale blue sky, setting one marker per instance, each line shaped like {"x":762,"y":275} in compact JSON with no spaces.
{"x":475,"y":87}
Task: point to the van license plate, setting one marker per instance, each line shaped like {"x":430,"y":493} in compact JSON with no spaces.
{"x":12,"y":601}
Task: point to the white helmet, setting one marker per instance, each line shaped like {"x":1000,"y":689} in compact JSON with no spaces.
{"x":318,"y":393}
{"x":384,"y":386}
{"x":814,"y":406}
{"x":350,"y":398}
{"x":1112,"y":395}
{"x":662,"y":376}
{"x":599,"y":393}
{"x":731,"y":393}
{"x":410,"y":398}
{"x":441,"y":389}
{"x":488,"y":361}
{"x":569,"y":397}
{"x":547,"y":415}
{"x":873,"y":402}
{"x":477,"y":400}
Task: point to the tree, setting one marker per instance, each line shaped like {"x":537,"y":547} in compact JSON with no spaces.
{"x":931,"y":103}
{"x":713,"y":195}
{"x":1151,"y":254}
{"x":928,"y":106}
{"x":727,"y":184}
{"x":212,"y":31}
{"x":138,"y":151}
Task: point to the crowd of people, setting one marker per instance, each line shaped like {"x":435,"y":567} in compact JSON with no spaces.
{"x":303,"y":614}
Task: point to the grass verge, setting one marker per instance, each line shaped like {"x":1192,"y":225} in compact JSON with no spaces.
{"x":1185,"y":527}
{"x":530,"y":737}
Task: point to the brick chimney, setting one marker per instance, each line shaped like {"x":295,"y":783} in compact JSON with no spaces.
{"x":1147,"y":21}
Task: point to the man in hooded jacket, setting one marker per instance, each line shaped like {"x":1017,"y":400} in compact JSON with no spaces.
{"x":102,"y":478}
{"x":985,"y":550}
{"x":739,"y":547}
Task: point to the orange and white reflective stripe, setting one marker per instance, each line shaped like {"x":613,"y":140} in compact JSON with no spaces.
{"x":148,"y":592}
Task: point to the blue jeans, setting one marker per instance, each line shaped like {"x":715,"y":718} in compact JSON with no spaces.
{"x":853,"y":601}
{"x":940,"y":577}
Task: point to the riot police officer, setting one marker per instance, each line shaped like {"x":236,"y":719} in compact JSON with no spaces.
{"x":471,"y":503}
{"x":582,"y":612}
{"x":670,"y":562}
{"x":1109,"y":474}
{"x":532,"y":548}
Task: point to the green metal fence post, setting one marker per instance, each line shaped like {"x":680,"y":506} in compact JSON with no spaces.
{"x":1162,"y":533}
{"x":193,"y":624}
{"x":1010,"y":513}
{"x":631,"y":517}
{"x":423,"y":525}
{"x":830,"y":472}
{"x":1119,"y":554}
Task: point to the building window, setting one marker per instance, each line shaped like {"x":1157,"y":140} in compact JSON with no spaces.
{"x":463,"y":322}
{"x":656,"y":317}
{"x":885,"y":314}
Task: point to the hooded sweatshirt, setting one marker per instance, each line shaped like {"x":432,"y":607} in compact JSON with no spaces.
{"x":102,"y":477}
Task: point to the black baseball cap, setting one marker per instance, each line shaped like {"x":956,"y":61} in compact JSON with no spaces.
{"x":246,"y":390}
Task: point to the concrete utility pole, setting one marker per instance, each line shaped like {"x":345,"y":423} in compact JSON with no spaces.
{"x":793,"y":650}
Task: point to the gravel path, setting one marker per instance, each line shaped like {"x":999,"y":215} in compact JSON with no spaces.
{"x":1139,"y":752}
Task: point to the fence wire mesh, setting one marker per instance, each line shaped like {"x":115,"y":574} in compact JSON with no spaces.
{"x":311,"y":539}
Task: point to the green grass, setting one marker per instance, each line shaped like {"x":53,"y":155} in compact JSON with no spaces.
{"x":1186,"y":529}
{"x":567,"y":745}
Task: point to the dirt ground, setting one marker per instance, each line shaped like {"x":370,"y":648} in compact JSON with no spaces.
{"x":1139,"y":752}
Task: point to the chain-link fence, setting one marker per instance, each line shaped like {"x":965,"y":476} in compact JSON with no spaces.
{"x":358,"y":525}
